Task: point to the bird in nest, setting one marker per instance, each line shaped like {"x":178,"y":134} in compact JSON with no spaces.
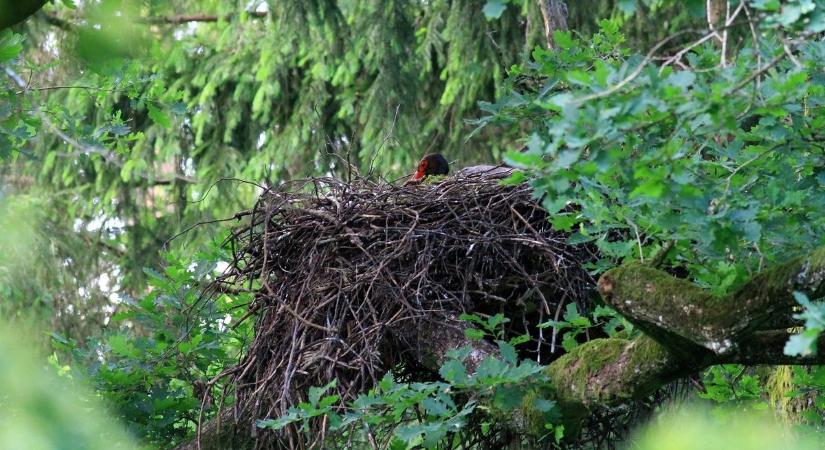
{"x":435,"y":164}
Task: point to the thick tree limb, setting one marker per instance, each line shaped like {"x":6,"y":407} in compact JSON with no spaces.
{"x":13,"y":12}
{"x":686,"y":330}
{"x":678,"y":313}
{"x":606,"y":372}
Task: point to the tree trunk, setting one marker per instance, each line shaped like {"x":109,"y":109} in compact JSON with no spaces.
{"x":554,"y":13}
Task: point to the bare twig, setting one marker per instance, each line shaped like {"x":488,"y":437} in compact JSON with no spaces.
{"x":756,"y":47}
{"x":632,"y":76}
{"x":350,"y":274}
{"x":180,"y":19}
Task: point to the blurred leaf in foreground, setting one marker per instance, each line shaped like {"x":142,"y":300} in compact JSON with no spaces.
{"x":692,"y":428}
{"x":39,"y":411}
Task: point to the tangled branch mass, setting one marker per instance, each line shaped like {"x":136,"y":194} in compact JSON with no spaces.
{"x":353,"y":277}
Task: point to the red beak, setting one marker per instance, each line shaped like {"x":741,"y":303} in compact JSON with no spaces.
{"x":419,"y":174}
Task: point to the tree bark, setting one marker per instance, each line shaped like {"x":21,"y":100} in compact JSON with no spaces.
{"x":685,"y":329}
{"x":554,"y":13}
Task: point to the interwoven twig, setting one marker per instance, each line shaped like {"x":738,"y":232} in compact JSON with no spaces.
{"x":344,"y":272}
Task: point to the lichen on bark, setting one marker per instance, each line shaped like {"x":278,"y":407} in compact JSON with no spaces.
{"x":605,"y":372}
{"x":682,"y":316}
{"x":685,"y":327}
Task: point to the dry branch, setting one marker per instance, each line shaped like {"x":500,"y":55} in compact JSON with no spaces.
{"x":354,"y":279}
{"x":187,"y":18}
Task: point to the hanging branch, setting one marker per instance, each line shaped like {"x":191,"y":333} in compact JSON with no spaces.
{"x":180,"y":19}
{"x":13,"y":12}
{"x":186,"y":18}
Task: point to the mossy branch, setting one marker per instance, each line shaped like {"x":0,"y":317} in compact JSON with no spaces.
{"x":683,"y":316}
{"x":605,"y":372}
{"x":686,"y":330}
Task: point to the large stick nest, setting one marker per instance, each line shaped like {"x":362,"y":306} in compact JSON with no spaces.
{"x":347,"y":272}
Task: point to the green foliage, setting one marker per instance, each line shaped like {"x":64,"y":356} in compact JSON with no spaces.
{"x":573,"y":325}
{"x":492,"y":326}
{"x":434,"y":414}
{"x":613,"y":323}
{"x":807,"y":387}
{"x":40,"y":411}
{"x":798,"y":15}
{"x":157,"y":364}
{"x":16,"y":127}
{"x":36,"y":279}
{"x":647,"y":153}
{"x":813,"y":314}
{"x":723,"y":157}
{"x":730,"y":382}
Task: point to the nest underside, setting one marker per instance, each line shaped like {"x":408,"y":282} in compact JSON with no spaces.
{"x":345,"y":273}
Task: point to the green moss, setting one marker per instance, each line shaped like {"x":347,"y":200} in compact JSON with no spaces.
{"x":647,"y":351}
{"x":599,"y":352}
{"x":609,"y":371}
{"x":571,"y":374}
{"x":534,"y":419}
{"x":571,"y":377}
{"x":642,"y":288}
{"x":778,"y":385}
{"x":434,"y":179}
{"x":655,"y":287}
{"x":679,"y":313}
{"x":673,"y":310}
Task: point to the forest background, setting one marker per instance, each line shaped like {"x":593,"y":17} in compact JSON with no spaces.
{"x":693,"y":125}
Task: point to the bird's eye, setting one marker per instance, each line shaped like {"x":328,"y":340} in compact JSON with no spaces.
{"x":422,"y":165}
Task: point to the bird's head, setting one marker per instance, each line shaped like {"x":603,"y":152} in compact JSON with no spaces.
{"x":432,"y":164}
